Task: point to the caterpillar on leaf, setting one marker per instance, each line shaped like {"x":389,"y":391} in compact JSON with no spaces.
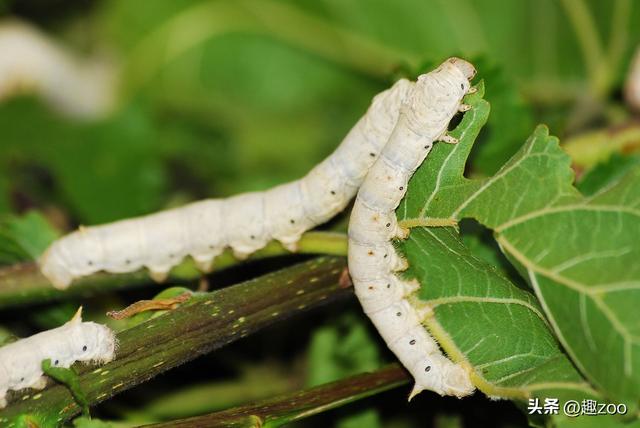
{"x":373,"y":261}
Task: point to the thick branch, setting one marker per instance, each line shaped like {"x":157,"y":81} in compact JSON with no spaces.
{"x":291,"y":407}
{"x":24,"y":284}
{"x":203,"y":323}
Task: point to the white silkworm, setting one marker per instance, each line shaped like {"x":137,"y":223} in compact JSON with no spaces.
{"x":632,"y":86}
{"x":373,"y":261}
{"x":244,"y":223}
{"x":21,"y":361}
{"x":30,"y":61}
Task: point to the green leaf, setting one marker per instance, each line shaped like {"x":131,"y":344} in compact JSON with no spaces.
{"x":607,"y":172}
{"x":71,"y":380}
{"x":103,"y":170}
{"x":24,"y":237}
{"x":110,"y":170}
{"x":85,"y":422}
{"x":480,"y":317}
{"x":579,"y":255}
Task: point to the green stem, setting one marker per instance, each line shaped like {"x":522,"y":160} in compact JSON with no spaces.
{"x":619,"y":37}
{"x":287,"y":408}
{"x":590,"y":45}
{"x":206,"y":20}
{"x":24,"y":284}
{"x":202,"y":324}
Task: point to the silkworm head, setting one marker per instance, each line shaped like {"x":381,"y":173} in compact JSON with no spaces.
{"x":456,"y":381}
{"x":54,"y":266}
{"x":94,"y":342}
{"x":465,"y":67}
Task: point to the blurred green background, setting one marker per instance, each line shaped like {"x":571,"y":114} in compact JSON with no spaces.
{"x":216,"y":97}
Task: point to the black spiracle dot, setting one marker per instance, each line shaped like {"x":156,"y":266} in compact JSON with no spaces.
{"x":398,"y":314}
{"x":21,"y":379}
{"x":333,"y":192}
{"x":462,"y":86}
{"x":84,"y":348}
{"x":401,"y":187}
{"x":386,"y":255}
{"x":292,"y":221}
{"x":427,"y":369}
{"x":412,"y":342}
{"x":211,"y":247}
{"x":90,"y":263}
{"x":389,"y":285}
{"x":127,"y":261}
{"x":373,"y":155}
{"x":55,"y":363}
{"x":253,"y":237}
{"x":388,"y":225}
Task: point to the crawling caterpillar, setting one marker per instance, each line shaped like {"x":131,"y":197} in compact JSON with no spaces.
{"x":244,"y":223}
{"x":373,"y":261}
{"x":21,"y":361}
{"x":33,"y":62}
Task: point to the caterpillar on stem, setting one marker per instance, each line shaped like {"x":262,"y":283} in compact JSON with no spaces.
{"x":244,"y":223}
{"x":21,"y":361}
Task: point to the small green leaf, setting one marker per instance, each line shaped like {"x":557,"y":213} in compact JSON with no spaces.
{"x":85,"y":422}
{"x":70,"y":379}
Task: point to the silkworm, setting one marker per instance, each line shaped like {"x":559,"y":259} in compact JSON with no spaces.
{"x":373,"y":261}
{"x":33,"y":62}
{"x":244,"y":223}
{"x":21,"y":361}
